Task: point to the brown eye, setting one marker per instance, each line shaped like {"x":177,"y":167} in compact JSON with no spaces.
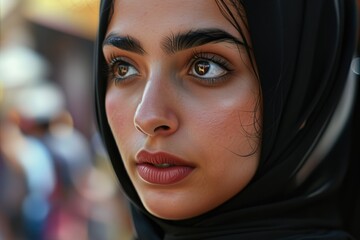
{"x":207,"y":69}
{"x":201,"y":67}
{"x":121,"y":69}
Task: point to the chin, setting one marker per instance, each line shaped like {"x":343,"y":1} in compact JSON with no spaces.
{"x":174,"y":210}
{"x":172,"y":213}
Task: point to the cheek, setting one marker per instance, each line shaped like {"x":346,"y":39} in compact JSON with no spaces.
{"x":234,"y":126}
{"x":120,"y":117}
{"x":113,"y":106}
{"x":228,"y":142}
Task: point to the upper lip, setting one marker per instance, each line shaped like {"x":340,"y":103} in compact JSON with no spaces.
{"x":157,"y":158}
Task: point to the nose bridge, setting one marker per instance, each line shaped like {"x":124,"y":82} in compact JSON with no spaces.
{"x":152,"y":100}
{"x":155,"y":112}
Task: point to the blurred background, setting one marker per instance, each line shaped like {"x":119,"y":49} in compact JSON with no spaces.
{"x":56,"y":182}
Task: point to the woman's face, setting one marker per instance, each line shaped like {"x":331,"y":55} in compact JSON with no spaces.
{"x":182,"y":103}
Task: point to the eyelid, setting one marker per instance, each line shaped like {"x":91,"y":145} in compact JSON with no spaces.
{"x":221,"y":61}
{"x":113,"y":58}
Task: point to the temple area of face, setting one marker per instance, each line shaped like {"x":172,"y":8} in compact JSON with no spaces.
{"x":175,"y":42}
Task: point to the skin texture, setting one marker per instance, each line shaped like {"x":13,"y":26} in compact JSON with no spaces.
{"x":163,"y":106}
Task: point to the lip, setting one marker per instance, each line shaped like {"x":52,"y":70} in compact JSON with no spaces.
{"x":161,"y":168}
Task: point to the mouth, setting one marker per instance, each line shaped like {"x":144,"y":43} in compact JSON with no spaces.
{"x":163,"y":165}
{"x":162,"y":168}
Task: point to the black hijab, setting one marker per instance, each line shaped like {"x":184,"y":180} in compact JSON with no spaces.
{"x":307,"y":183}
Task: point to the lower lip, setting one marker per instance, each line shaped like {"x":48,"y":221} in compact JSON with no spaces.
{"x":169,"y":175}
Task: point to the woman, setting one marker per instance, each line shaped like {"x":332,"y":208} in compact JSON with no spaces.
{"x":231,"y":119}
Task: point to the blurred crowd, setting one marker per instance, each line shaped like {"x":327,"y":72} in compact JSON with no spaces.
{"x":55,"y":179}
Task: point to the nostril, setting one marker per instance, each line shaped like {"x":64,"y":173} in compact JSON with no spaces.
{"x":163,"y":127}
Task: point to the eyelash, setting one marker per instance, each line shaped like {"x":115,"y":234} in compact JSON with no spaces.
{"x":195,"y":57}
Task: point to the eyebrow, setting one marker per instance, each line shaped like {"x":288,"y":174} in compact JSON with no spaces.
{"x":195,"y":38}
{"x":175,"y":42}
{"x":126,"y":43}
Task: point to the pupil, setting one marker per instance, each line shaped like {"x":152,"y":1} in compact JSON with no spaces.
{"x":123,"y":69}
{"x":202,"y":67}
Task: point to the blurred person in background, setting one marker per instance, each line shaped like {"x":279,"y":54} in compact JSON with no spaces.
{"x":27,"y":152}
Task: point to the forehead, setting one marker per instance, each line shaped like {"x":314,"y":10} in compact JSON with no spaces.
{"x":161,"y":17}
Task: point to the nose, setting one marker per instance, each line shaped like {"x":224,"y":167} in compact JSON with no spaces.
{"x":155,"y":115}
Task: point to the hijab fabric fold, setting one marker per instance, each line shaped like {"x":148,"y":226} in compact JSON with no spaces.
{"x":306,"y":185}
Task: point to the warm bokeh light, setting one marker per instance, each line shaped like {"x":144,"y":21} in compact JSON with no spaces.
{"x":78,"y":17}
